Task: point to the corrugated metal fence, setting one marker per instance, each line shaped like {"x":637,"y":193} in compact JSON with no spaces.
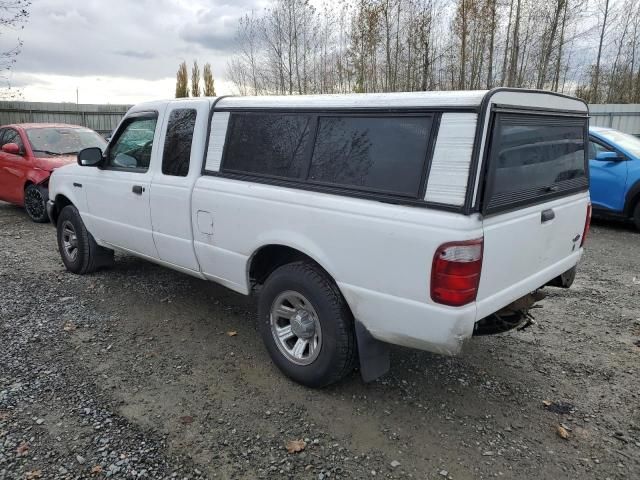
{"x":102,"y":118}
{"x":621,"y":117}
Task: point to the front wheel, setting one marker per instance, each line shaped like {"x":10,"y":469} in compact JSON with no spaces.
{"x":79,"y":251}
{"x":35,"y":203}
{"x":306,"y":325}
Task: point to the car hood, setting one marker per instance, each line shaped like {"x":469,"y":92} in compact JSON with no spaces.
{"x":52,"y":163}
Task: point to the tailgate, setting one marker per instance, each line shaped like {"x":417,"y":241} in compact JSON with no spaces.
{"x":535,"y":204}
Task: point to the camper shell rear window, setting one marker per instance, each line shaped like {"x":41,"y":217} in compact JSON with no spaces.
{"x":534,"y":158}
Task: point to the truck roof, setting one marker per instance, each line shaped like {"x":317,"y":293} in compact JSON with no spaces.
{"x":434,"y":99}
{"x":468,"y":98}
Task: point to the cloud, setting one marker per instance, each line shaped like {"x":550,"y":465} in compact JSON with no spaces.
{"x":212,"y":31}
{"x":217,"y":41}
{"x":142,"y":40}
{"x":134,"y":54}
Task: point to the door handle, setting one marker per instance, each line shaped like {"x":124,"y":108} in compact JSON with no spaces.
{"x":137,"y":189}
{"x":547,"y":215}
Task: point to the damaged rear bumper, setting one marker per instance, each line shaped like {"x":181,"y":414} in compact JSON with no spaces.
{"x":518,"y":313}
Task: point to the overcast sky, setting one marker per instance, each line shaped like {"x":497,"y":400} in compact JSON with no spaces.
{"x":121,"y":51}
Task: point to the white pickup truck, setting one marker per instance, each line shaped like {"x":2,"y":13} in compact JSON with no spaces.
{"x":417,"y":219}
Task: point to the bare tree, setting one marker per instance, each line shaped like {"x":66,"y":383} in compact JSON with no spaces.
{"x":13,"y":16}
{"x":596,"y":76}
{"x":492,"y":7}
{"x":396,"y":45}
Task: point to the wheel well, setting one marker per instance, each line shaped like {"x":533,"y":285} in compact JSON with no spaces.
{"x":26,"y":185}
{"x":60,"y":202}
{"x":31,"y":182}
{"x":268,"y":258}
{"x":632,"y":204}
{"x":633,"y":197}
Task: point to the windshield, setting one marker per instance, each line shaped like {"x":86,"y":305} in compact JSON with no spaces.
{"x":625,"y":141}
{"x":63,"y":141}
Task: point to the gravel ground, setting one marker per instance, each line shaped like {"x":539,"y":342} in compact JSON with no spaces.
{"x":131,"y":373}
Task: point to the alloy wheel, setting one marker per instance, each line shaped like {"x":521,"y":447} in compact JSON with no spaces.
{"x":69,"y":240}
{"x":34,"y":202}
{"x":296,"y":328}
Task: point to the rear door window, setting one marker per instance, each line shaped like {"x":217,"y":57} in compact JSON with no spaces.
{"x":177,"y":144}
{"x":534,"y":158}
{"x":384,"y":154}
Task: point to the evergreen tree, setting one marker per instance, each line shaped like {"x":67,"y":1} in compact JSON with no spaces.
{"x":182,"y":81}
{"x":195,"y":80}
{"x":209,"y":87}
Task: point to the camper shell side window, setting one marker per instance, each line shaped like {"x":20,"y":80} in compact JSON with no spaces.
{"x":369,"y":154}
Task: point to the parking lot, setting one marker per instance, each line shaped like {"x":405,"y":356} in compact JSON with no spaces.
{"x":139,"y":371}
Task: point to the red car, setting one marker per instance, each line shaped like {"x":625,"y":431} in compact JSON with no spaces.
{"x":28,"y":155}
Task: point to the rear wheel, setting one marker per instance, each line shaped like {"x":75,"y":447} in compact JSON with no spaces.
{"x":35,"y":203}
{"x":79,"y":251}
{"x":306,"y":325}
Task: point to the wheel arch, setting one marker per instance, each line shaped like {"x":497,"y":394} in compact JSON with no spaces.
{"x":632,"y":198}
{"x":267,"y":258}
{"x":37,"y":177}
{"x":59,"y":203}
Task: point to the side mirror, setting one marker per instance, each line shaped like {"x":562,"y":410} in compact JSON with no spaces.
{"x":11,"y":148}
{"x":609,"y":157}
{"x":90,"y":157}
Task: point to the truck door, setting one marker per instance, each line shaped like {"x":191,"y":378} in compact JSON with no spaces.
{"x":118,"y":193}
{"x":183,"y":139}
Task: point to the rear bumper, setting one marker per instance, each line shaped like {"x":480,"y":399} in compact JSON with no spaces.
{"x":437,"y":328}
{"x":391,"y":319}
{"x":492,"y":304}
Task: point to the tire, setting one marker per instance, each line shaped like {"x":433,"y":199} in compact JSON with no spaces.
{"x":314,"y":312}
{"x":35,"y":203}
{"x":636,"y":215}
{"x":79,"y":251}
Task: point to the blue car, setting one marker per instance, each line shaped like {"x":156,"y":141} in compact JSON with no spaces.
{"x":614,"y":165}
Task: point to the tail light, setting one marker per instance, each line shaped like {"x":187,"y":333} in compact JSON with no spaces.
{"x":587,"y":225}
{"x":455,"y":275}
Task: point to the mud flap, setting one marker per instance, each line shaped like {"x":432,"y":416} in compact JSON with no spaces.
{"x":373,"y":354}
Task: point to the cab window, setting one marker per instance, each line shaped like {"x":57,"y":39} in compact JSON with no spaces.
{"x":131,"y":150}
{"x":177,"y":144}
